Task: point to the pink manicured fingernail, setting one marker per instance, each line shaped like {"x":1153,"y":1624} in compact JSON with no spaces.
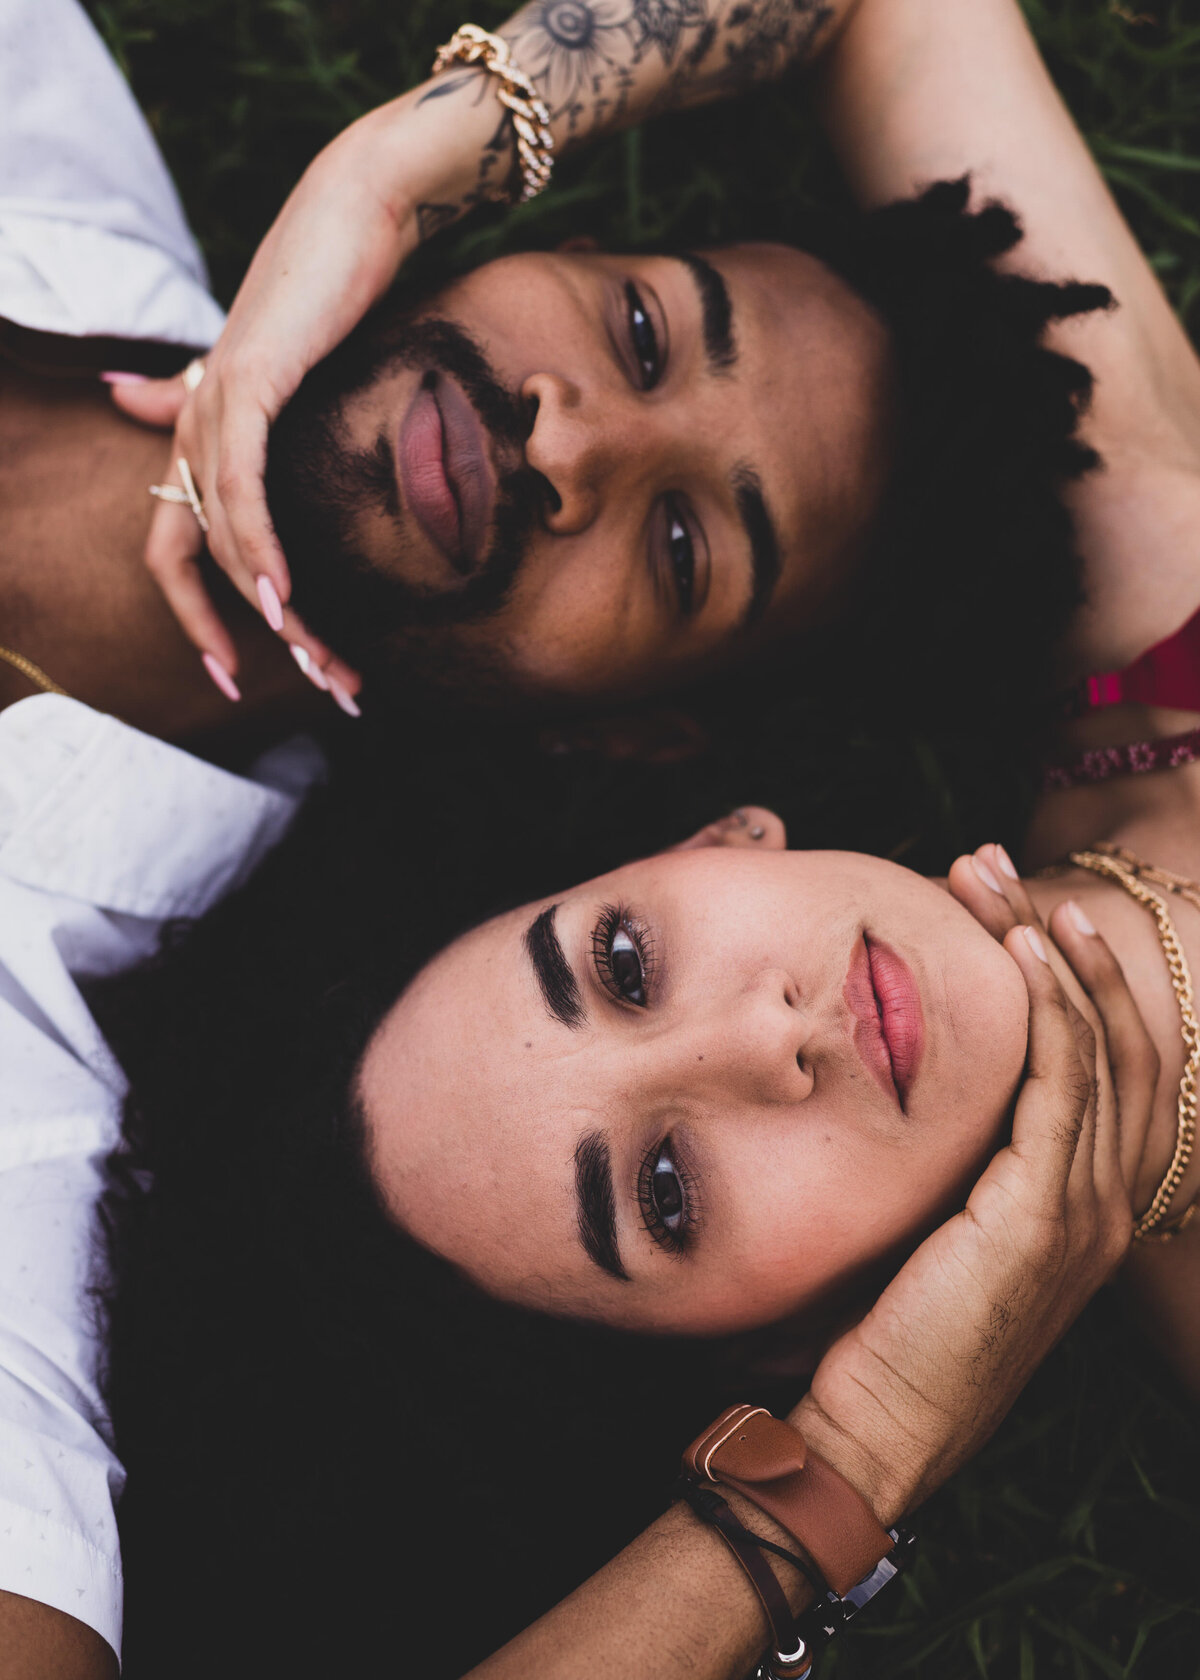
{"x":268,"y":597}
{"x":1035,"y":943}
{"x":344,"y":698}
{"x":222,"y":678}
{"x":986,"y":876}
{"x":124,"y":378}
{"x":1077,"y":916}
{"x":309,"y":666}
{"x":1006,"y":864}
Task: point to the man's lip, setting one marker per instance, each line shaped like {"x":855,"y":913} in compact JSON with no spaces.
{"x":889,"y":1027}
{"x":445,"y":471}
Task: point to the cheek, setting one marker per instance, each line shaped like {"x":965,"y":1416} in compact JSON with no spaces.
{"x":988,"y":1022}
{"x":573,"y":624}
{"x":816,"y":1204}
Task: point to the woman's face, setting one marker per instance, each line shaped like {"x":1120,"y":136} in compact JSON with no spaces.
{"x":698,"y":1093}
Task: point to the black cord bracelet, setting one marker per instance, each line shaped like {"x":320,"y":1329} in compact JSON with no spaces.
{"x":706,"y":1502}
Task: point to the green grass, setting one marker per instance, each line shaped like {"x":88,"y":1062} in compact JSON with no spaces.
{"x":241,"y":95}
{"x":1070,"y":1548}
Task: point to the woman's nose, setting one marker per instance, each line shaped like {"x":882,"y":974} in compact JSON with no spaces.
{"x":758,"y":1044}
{"x":570,"y":447}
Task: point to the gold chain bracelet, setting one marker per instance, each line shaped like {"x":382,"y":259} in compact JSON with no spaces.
{"x":530,"y":118}
{"x":1131,"y":873}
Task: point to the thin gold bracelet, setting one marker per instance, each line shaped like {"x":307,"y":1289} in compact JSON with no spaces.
{"x":530,"y":118}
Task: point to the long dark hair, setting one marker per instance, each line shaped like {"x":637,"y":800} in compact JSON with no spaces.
{"x":341,"y":1457}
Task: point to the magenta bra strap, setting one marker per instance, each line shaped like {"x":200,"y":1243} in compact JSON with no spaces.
{"x":1168,"y":675}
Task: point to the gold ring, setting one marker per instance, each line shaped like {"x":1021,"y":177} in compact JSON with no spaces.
{"x":192,"y":374}
{"x":187,"y":496}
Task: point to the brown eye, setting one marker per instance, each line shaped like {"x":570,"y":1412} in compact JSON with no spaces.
{"x":623,"y":953}
{"x":666,"y":1192}
{"x":643,"y":337}
{"x":625,"y":967}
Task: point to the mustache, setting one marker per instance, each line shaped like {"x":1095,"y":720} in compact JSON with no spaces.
{"x":318,"y":485}
{"x":444,"y":347}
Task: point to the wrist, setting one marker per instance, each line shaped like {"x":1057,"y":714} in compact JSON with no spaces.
{"x":882,"y":1482}
{"x":434,"y":146}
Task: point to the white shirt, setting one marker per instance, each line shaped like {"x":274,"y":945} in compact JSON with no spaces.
{"x":93,"y":239}
{"x":104,"y":833}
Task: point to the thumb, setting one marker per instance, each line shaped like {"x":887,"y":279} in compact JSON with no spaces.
{"x":153,"y":402}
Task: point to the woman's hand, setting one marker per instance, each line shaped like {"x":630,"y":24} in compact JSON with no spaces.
{"x":919,"y":1385}
{"x":332,"y":252}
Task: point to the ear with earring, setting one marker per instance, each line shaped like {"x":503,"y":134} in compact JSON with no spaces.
{"x":749,"y":826}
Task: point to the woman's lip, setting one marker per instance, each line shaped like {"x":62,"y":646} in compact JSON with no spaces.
{"x":868,"y":1034}
{"x":446,"y":474}
{"x":900,"y":1013}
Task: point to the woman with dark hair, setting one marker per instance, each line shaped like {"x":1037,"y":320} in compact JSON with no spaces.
{"x":334,"y":1448}
{"x":823,"y":1047}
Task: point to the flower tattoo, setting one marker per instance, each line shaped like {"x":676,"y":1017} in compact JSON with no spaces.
{"x":565,"y":44}
{"x":660,"y":23}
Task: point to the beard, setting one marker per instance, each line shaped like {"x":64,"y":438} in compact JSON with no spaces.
{"x":319,"y":486}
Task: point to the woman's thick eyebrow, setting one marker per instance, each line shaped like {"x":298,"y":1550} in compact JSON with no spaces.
{"x":554,"y":975}
{"x":597,"y":1210}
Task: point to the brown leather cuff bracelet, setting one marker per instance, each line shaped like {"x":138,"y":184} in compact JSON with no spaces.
{"x":770,"y":1463}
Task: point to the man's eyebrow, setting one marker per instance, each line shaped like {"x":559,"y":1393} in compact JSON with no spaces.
{"x":555,"y":977}
{"x":765,"y":556}
{"x":597,"y":1210}
{"x":716,"y":312}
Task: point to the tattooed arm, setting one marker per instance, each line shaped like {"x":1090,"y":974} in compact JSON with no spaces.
{"x":606,"y":64}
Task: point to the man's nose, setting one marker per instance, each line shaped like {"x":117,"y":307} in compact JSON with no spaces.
{"x":572,"y":445}
{"x":756,"y":1045}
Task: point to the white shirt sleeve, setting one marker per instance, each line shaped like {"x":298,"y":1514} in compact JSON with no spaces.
{"x":103,"y":833}
{"x":93,"y":239}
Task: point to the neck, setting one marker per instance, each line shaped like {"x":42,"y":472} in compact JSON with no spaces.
{"x":1157,"y":817}
{"x":75,"y":596}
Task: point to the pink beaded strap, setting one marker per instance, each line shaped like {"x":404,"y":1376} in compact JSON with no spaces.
{"x":1138,"y":758}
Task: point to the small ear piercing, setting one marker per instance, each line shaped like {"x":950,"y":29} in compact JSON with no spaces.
{"x":757,"y":832}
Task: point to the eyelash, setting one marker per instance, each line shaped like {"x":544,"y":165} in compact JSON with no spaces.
{"x":675,"y":1241}
{"x":615,"y":919}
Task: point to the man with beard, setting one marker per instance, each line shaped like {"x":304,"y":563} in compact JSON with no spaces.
{"x":573,"y":480}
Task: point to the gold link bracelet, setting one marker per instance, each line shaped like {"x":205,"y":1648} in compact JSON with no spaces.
{"x":1130,"y":872}
{"x":530,"y":118}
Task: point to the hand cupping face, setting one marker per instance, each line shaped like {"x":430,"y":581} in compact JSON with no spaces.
{"x":919,"y":1385}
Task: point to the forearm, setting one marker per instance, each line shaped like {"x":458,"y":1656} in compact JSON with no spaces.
{"x":674,"y":1603}
{"x":598,"y":65}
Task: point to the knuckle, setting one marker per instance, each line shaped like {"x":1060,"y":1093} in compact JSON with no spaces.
{"x":227,"y":480}
{"x":1079,"y":1087}
{"x":1046,"y":1248}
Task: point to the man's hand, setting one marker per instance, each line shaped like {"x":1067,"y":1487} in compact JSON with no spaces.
{"x":918,"y":1386}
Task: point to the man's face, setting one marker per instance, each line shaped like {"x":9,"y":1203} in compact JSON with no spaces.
{"x":591,"y":476}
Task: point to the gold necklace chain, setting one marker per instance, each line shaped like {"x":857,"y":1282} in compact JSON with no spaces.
{"x":34,"y":672}
{"x":1131,"y":873}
